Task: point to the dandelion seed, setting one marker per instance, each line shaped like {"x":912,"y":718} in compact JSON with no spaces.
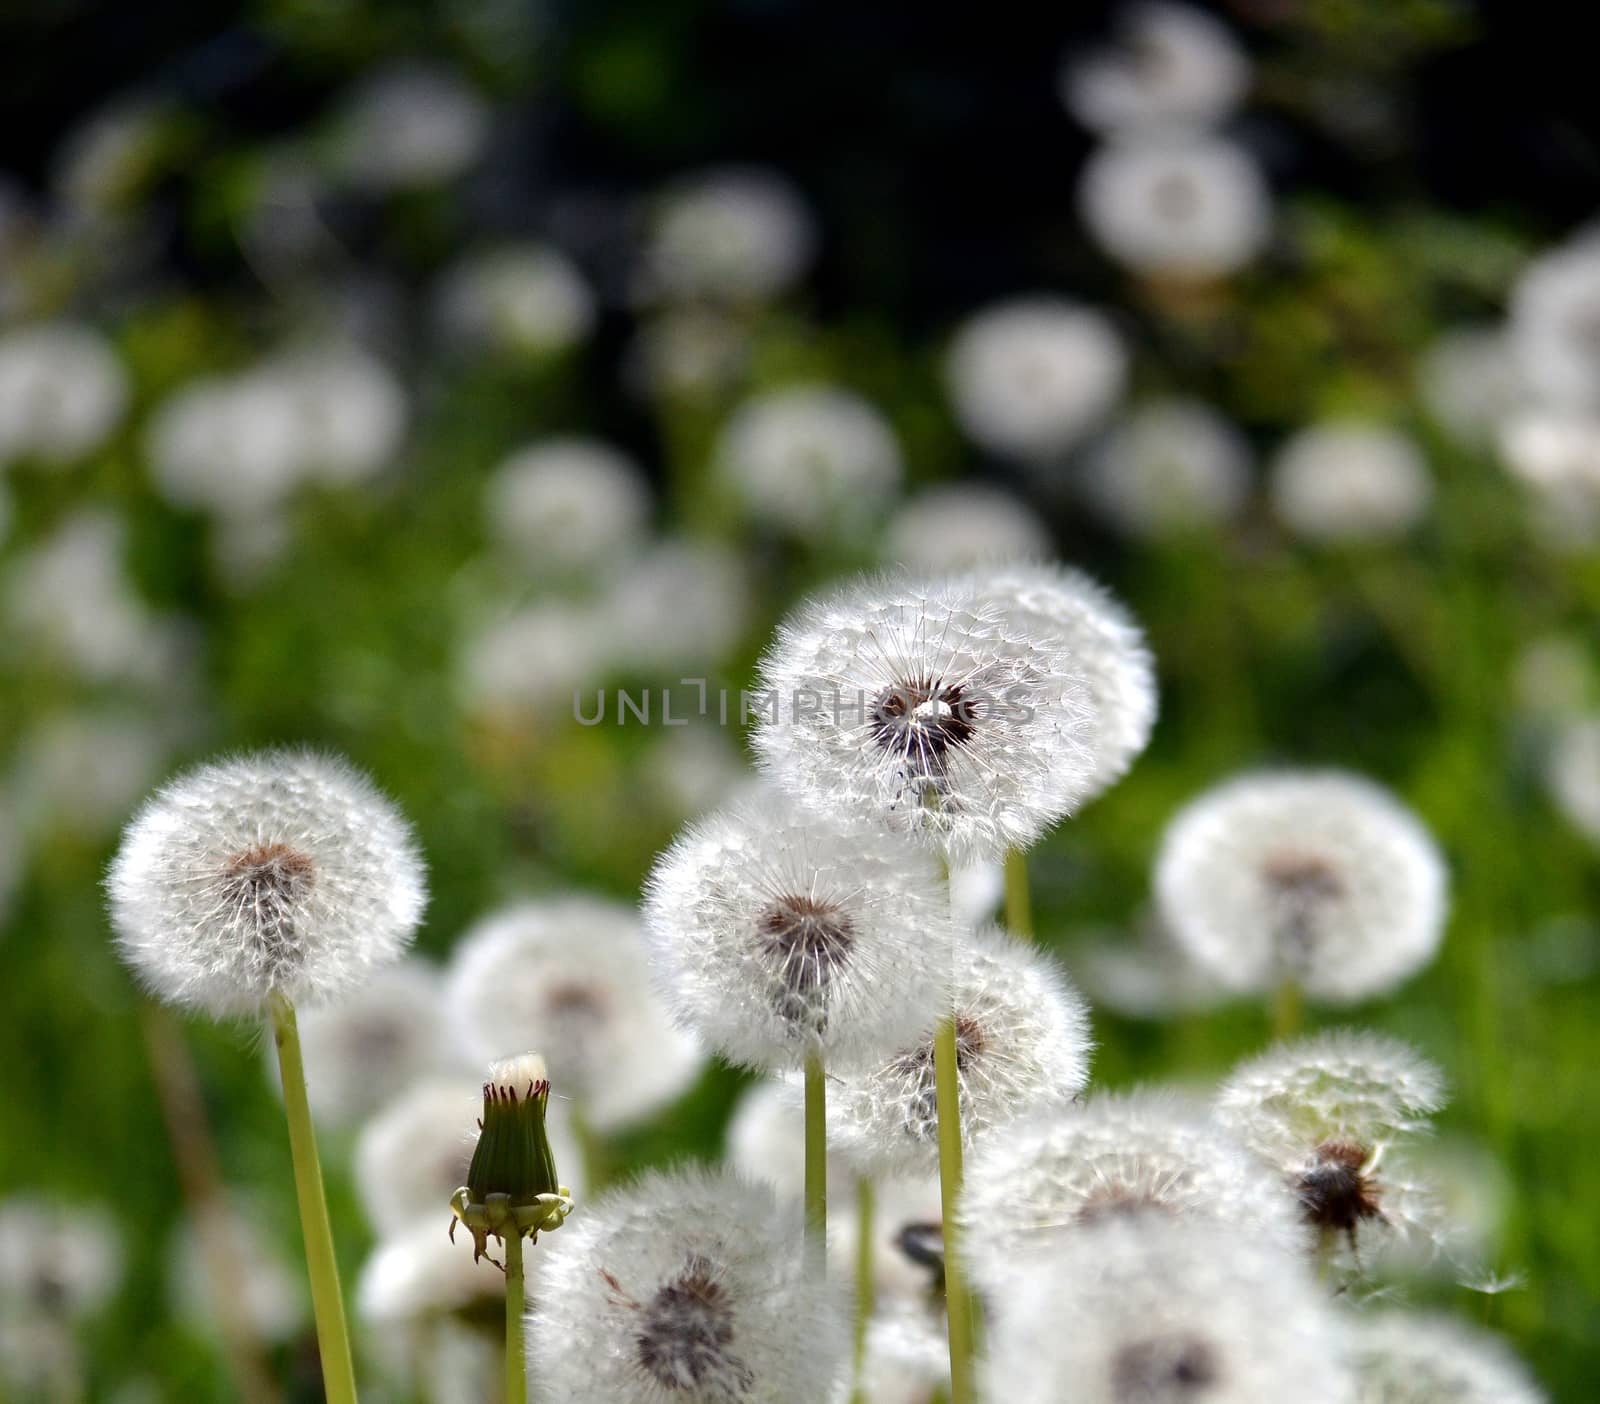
{"x":571,"y":973}
{"x":1182,"y":207}
{"x":1404,"y":1357}
{"x":1035,"y":1183}
{"x":1030,"y":377}
{"x":776,"y":935}
{"x":1328,"y":1113}
{"x":688,"y":1287}
{"x":521,"y":299}
{"x":929,"y":709}
{"x":567,"y":504}
{"x":1022,"y":1047}
{"x":276,"y":872}
{"x":811,"y":459}
{"x":1318,"y":877}
{"x":62,"y":392}
{"x":1148,"y":1310}
{"x":1350,"y":482}
{"x":957,"y":528}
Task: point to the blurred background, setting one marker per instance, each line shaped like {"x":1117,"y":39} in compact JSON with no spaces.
{"x":376,"y":376}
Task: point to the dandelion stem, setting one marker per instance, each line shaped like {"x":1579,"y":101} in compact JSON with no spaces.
{"x":865,"y":1213}
{"x":327,"y":1304}
{"x":516,"y":1350}
{"x":958,"y":1300}
{"x":1288,"y":1010}
{"x":1019,"y":901}
{"x":816,"y":1162}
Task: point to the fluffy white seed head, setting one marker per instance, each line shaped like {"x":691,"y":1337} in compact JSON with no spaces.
{"x":681,"y":604}
{"x":907,"y":1243}
{"x":1148,"y":1310}
{"x":230,"y":445}
{"x":270,"y":1293}
{"x":733,"y":234}
{"x":1105,"y":643}
{"x":1030,"y":377}
{"x":567,"y":504}
{"x":1167,"y":467}
{"x":1037,"y":1182}
{"x":408,"y":126}
{"x":274,"y":872}
{"x":348,"y":410}
{"x":62,"y":391}
{"x":522,"y":299}
{"x":1470,"y":382}
{"x":1184,"y":207}
{"x":776,"y":933}
{"x":956,"y":528}
{"x":687,"y":1288}
{"x":1141,"y":972}
{"x":1172,"y":66}
{"x":378,"y":1038}
{"x":1350,"y":482}
{"x":569,"y":974}
{"x":1555,"y":308}
{"x":535,"y":657}
{"x":1319,"y":877}
{"x":930,"y":709}
{"x":1572,"y":773}
{"x":56,"y":1259}
{"x":1022,"y":1047}
{"x":907,"y":1359}
{"x":688,"y":352}
{"x":81,"y":771}
{"x":1406,"y":1357}
{"x":419,"y":1273}
{"x":810,"y":459}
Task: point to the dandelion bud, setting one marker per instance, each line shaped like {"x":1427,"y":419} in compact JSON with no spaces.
{"x":1405,"y":1357}
{"x":511,"y":1183}
{"x":1318,"y":877}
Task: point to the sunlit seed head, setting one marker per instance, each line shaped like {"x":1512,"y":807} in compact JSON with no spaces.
{"x":63,"y":391}
{"x":1319,"y":877}
{"x":566,"y":504}
{"x":776,"y":932}
{"x":1555,"y":324}
{"x":532,"y":659}
{"x":274,"y":872}
{"x":516,"y":300}
{"x":57,"y":1259}
{"x":1471,"y":383}
{"x":683,"y":604}
{"x":409,"y":126}
{"x":232,"y":445}
{"x":1350,"y":482}
{"x":956,"y":528}
{"x":271,"y":1296}
{"x":1406,"y":1357}
{"x":689,"y":1287}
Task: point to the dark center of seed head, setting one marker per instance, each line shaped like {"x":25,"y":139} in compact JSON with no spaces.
{"x":923,"y":720}
{"x":1302,"y":878}
{"x":265,"y":884}
{"x":685,"y":1336}
{"x":1336,"y":1193}
{"x":1167,"y":1367}
{"x":917,"y":1068}
{"x":808,"y":940}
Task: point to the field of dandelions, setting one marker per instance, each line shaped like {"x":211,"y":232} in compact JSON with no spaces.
{"x":1026,"y":657}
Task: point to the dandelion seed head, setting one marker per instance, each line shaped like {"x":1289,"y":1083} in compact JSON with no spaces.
{"x":227,"y":444}
{"x":1022,"y":1047}
{"x":776,"y":933}
{"x":270,"y":1296}
{"x":929,"y":709}
{"x":63,"y":390}
{"x":519,"y":299}
{"x":535,"y":657}
{"x":57,"y":1260}
{"x":278,"y":871}
{"x":1028,"y":378}
{"x":907,"y":1241}
{"x":957,"y":528}
{"x":1319,"y":877}
{"x":688,"y":1288}
{"x":1572,"y":774}
{"x":567,"y":504}
{"x":1185,"y":207}
{"x":1405,"y":1357}
{"x":1471,"y":383}
{"x":417,"y":1273}
{"x":680,"y":604}
{"x":1350,"y":481}
{"x":810,"y":459}
{"x":1555,"y":324}
{"x":571,"y":972}
{"x":410,"y":126}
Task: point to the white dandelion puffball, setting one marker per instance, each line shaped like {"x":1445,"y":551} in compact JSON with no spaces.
{"x":1553,"y":448}
{"x":1022,"y":1047}
{"x":1327,"y":1112}
{"x":414,"y":1154}
{"x":956,"y":528}
{"x":907,"y":1244}
{"x":694,"y":768}
{"x":536,"y":657}
{"x":1319,"y":877}
{"x":82,"y":770}
{"x":811,"y":459}
{"x":687,"y":351}
{"x":420,"y":1273}
{"x":691,"y":1288}
{"x":733,"y":234}
{"x":1172,"y":66}
{"x":270,"y":1295}
{"x":907,"y":1356}
{"x":278,"y":872}
{"x":776,"y":935}
{"x":1145,"y":1309}
{"x":524,"y":298}
{"x":1035,"y":1183}
{"x":1106,"y":645}
{"x":1168,"y":466}
{"x":349,"y":411}
{"x":382,"y":1036}
{"x":568,"y":975}
{"x":921,"y":705}
{"x":1555,"y":310}
{"x":681,"y":604}
{"x":567,"y":504}
{"x":1554,"y":680}
{"x":1350,"y":482}
{"x":977,"y":891}
{"x":62,"y":392}
{"x":231,"y":445}
{"x":1471,"y":383}
{"x":1407,"y":1357}
{"x":57,"y":1259}
{"x":1181,"y":207}
{"x":1572,"y":774}
{"x":1030,"y":377}
{"x":410,"y":126}
{"x":1141,"y":973}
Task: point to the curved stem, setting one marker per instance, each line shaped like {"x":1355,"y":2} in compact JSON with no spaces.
{"x":516,"y":1349}
{"x":327,"y":1303}
{"x":816,"y":1162}
{"x":866,"y":1288}
{"x":1019,"y":901}
{"x":958,"y":1299}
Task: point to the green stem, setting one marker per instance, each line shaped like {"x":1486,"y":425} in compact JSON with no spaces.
{"x":1288,"y":1010}
{"x":865,"y":1286}
{"x":327,"y":1304}
{"x":958,"y":1300}
{"x":816,"y":1162}
{"x":1019,"y":902}
{"x":516,"y":1350}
